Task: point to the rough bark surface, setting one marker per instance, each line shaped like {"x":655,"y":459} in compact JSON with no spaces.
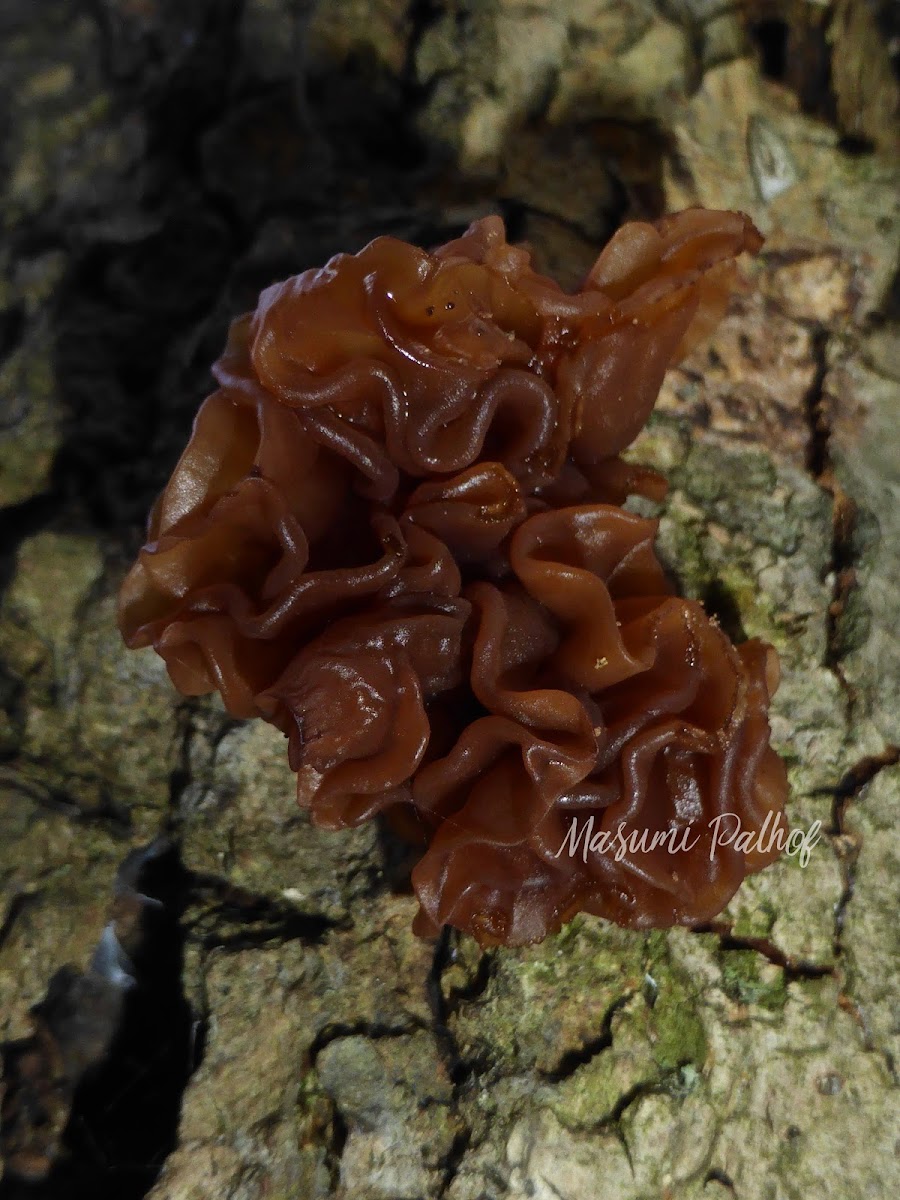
{"x":200,"y":994}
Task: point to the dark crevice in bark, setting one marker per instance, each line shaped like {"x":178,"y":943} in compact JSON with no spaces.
{"x":396,"y":858}
{"x":553,"y":1189}
{"x":718,"y":1176}
{"x":793,"y":49}
{"x":458,"y":1070}
{"x":841,"y":565}
{"x":181,"y":776}
{"x":334,"y":1149}
{"x":646,"y":1087}
{"x":475,"y":988}
{"x":376,"y":1031}
{"x":453,"y":1160}
{"x":12,"y":329}
{"x":721,"y":605}
{"x":855,"y":779}
{"x":515,"y":213}
{"x":373,"y":1031}
{"x":338,"y":1130}
{"x":578,"y":1057}
{"x":117,"y":340}
{"x":771,"y":38}
{"x":107,"y":815}
{"x":14,"y":707}
{"x":93,"y":1096}
{"x":847,"y":851}
{"x":852,"y":1006}
{"x":17,"y":523}
{"x":847,"y":845}
{"x":423,"y":14}
{"x":295,"y":928}
{"x":793,"y":968}
{"x":141,"y":314}
{"x":230,"y":918}
{"x":817,"y":453}
{"x":17,"y":906}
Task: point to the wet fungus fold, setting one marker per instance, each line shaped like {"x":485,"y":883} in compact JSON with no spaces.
{"x":397,"y":534}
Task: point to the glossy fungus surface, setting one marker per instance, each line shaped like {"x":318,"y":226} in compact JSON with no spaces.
{"x":397,"y":533}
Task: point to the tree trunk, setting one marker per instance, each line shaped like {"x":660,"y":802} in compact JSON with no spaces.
{"x":230,"y":1002}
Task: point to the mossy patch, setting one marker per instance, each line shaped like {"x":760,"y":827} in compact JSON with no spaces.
{"x":749,"y":980}
{"x":675,"y":1030}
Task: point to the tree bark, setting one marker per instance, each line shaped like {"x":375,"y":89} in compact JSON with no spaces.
{"x":200,"y":994}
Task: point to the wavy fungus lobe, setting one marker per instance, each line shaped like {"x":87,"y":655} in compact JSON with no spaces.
{"x":397,"y":534}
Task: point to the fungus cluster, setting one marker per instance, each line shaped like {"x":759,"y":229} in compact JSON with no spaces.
{"x":397,"y":534}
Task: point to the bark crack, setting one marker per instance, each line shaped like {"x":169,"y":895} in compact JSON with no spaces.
{"x":847,"y":845}
{"x":842,"y":561}
{"x":581,"y":1055}
{"x":793,"y":968}
{"x":458,"y":1070}
{"x":234,"y":919}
